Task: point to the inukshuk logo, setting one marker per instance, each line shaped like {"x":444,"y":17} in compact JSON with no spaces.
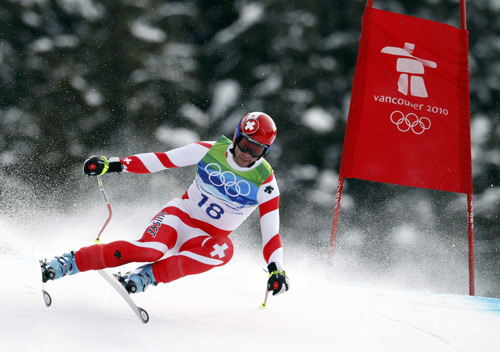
{"x":410,"y":81}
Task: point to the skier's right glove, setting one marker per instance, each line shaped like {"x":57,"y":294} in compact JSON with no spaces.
{"x":278,"y":281}
{"x":99,"y":165}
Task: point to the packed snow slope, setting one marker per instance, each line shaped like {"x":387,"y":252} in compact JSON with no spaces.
{"x":328,"y":308}
{"x":220,"y":311}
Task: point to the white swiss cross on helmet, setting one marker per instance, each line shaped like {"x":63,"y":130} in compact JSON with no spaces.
{"x":251,"y":126}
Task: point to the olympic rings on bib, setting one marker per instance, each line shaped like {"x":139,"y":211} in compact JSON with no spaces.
{"x":418,"y":125}
{"x":227,"y":179}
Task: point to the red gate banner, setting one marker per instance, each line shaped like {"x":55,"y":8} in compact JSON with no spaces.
{"x":409,"y":119}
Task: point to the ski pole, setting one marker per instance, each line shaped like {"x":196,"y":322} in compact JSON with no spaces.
{"x":101,"y":187}
{"x":263,"y":305}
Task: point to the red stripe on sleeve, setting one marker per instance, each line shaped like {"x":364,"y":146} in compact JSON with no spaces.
{"x":271,"y":246}
{"x":165,"y":160}
{"x":205,"y":144}
{"x":134,"y":164}
{"x":269,"y":206}
{"x":269,"y":179}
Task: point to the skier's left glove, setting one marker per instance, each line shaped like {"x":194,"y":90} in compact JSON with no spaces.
{"x":99,"y":165}
{"x":278,"y":281}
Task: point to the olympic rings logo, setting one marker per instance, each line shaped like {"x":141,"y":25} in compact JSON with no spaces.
{"x":228,"y":180}
{"x":418,"y":125}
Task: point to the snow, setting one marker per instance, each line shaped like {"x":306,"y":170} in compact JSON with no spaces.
{"x":488,"y":202}
{"x":42,"y":45}
{"x":250,"y":14}
{"x":225,"y":95}
{"x":319,"y":120}
{"x":220,"y":311}
{"x":176,"y":137}
{"x":480,"y":130}
{"x":194,"y":114}
{"x":328,"y":308}
{"x":90,"y":10}
{"x":147,"y":32}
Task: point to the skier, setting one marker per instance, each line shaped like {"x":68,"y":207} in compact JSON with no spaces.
{"x":233,"y":179}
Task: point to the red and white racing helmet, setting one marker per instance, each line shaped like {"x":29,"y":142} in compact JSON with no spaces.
{"x":255,"y":134}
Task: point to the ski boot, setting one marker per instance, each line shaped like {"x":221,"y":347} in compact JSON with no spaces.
{"x":59,"y":267}
{"x":138,"y":280}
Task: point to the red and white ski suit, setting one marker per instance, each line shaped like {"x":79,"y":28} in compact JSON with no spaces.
{"x":190,"y":230}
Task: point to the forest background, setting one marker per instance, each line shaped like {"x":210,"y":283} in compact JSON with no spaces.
{"x":116,"y":78}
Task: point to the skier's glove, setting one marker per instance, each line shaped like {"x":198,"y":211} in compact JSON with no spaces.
{"x":99,"y":165}
{"x":278,"y":281}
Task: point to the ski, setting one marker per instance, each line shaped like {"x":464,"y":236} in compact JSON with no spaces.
{"x":141,"y":313}
{"x":39,"y":263}
{"x":46,"y":296}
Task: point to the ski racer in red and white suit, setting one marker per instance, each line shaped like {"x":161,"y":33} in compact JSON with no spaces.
{"x":190,"y":234}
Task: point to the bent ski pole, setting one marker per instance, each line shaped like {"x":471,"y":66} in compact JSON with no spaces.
{"x":101,"y":187}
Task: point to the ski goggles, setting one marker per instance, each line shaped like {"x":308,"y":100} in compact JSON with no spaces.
{"x":248,"y":145}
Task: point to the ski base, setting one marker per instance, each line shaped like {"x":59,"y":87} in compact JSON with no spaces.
{"x":141,"y":313}
{"x":46,"y":298}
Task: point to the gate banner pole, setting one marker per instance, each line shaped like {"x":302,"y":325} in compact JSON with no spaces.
{"x":470,"y":226}
{"x":470,"y":207}
{"x":463,"y":16}
{"x":336,"y":212}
